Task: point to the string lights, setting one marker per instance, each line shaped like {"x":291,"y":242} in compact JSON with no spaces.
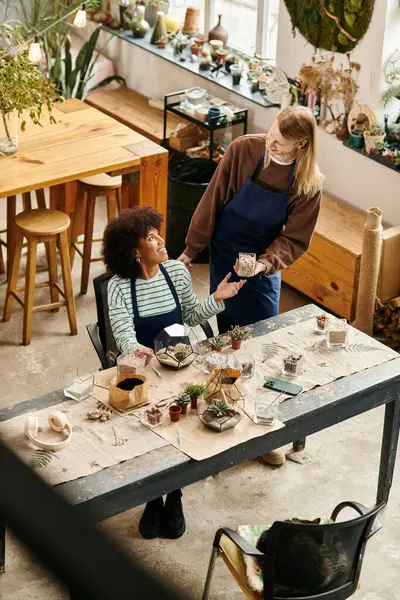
{"x":35,"y":51}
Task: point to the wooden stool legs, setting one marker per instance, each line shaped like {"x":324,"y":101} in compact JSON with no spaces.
{"x":87,"y":195}
{"x":30,"y":281}
{"x":67,"y":281}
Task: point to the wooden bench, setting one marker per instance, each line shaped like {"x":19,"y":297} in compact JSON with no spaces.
{"x":329,"y":271}
{"x":133,"y":110}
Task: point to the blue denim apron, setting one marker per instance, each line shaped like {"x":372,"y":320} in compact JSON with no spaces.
{"x":148,"y":328}
{"x":249,"y":223}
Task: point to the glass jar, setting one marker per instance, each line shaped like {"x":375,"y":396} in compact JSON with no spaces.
{"x":246,"y":365}
{"x":246,"y":261}
{"x":292,"y":364}
{"x":214,"y":360}
{"x":266,"y":407}
{"x":236,"y":72}
{"x":321,"y":323}
{"x":338,"y":333}
{"x":129,"y":364}
{"x":78,"y":386}
{"x":8,"y":132}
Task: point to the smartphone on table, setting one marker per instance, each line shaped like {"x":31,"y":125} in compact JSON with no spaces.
{"x":279,"y":385}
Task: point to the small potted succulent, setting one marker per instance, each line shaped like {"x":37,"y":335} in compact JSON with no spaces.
{"x":237,"y":336}
{"x":183,"y":401}
{"x":373,"y":136}
{"x":194,"y":391}
{"x":216,"y":344}
{"x":162,"y":42}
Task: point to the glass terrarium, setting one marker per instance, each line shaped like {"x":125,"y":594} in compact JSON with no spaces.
{"x":321,"y":323}
{"x":246,"y":264}
{"x":227,"y":381}
{"x":175,"y":347}
{"x":128,"y":363}
{"x":219,"y":413}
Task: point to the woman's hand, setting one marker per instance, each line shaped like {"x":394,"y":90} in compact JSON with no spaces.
{"x":260,"y":268}
{"x":186,"y":260}
{"x":143,"y":352}
{"x":227,"y":290}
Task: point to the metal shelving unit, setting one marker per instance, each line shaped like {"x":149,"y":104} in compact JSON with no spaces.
{"x":171,"y":105}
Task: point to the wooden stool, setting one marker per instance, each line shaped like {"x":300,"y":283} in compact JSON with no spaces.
{"x":50,"y":227}
{"x":91,"y":188}
{"x":11,"y":212}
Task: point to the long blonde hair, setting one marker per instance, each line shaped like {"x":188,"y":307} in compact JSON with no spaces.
{"x":298,"y":124}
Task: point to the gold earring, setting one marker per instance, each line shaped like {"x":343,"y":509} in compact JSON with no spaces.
{"x":138,"y":259}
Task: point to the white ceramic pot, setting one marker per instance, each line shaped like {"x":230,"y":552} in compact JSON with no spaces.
{"x":372,"y":141}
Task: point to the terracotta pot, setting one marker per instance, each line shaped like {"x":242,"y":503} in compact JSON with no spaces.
{"x":175,"y":412}
{"x":183,"y":408}
{"x":199,"y":40}
{"x":218,"y":32}
{"x":193,"y":403}
{"x":217,"y":349}
{"x":236,"y":344}
{"x":196,"y":49}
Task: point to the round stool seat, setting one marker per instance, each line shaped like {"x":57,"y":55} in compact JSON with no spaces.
{"x":42,"y":222}
{"x":102,"y":180}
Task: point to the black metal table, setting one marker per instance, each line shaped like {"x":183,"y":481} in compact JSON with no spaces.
{"x":136,"y":481}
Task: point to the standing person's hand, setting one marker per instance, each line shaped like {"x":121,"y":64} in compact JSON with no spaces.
{"x":227,"y":290}
{"x":186,"y":260}
{"x":260,"y":268}
{"x":144,"y":352}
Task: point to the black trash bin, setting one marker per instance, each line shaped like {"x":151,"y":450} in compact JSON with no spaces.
{"x":187,"y":182}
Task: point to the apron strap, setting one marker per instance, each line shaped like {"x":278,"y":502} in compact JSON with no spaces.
{"x":170,"y":285}
{"x":290,"y":179}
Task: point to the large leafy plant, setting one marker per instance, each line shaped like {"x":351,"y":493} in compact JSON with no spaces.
{"x":74,"y":81}
{"x":22,"y":86}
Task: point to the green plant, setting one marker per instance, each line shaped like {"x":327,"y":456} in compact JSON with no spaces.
{"x":374,"y":131}
{"x":237,"y":333}
{"x":216,"y":343}
{"x":73,"y":82}
{"x":182,"y":399}
{"x":397,"y":161}
{"x":392,"y":92}
{"x":334,"y":25}
{"x":359,"y":129}
{"x":23,"y":87}
{"x":195,"y":390}
{"x":219,"y":409}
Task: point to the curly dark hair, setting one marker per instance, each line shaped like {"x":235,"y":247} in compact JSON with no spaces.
{"x":121,"y":239}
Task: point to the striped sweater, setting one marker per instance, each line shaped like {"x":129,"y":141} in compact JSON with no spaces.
{"x":154,"y":298}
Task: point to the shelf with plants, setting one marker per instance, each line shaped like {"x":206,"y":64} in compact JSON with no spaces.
{"x":229,"y":116}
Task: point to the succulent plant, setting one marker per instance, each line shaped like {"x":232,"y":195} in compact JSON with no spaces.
{"x":195,"y":390}
{"x":237,"y":333}
{"x":216,"y":343}
{"x":182,"y":399}
{"x":219,"y":409}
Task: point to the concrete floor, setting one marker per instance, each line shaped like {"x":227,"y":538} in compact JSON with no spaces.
{"x":343,"y":465}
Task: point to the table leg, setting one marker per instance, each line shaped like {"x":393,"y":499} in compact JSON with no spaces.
{"x":152,"y":187}
{"x":391,"y":429}
{"x":299,"y":445}
{"x":2,"y":547}
{"x":62,"y":197}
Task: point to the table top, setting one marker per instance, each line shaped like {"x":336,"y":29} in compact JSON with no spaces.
{"x":83,"y":142}
{"x":133,"y":482}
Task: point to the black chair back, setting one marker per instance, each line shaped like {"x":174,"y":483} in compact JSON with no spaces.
{"x":101,"y":333}
{"x":305,"y":561}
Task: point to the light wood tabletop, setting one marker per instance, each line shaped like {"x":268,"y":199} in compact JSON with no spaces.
{"x":84,"y":142}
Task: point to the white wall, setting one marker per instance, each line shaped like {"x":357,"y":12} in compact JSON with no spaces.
{"x":349,"y":177}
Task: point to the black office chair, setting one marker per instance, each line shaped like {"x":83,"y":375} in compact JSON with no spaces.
{"x":101,"y":334}
{"x":301,"y":561}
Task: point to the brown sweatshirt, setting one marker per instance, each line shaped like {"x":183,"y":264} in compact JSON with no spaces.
{"x":239,"y":162}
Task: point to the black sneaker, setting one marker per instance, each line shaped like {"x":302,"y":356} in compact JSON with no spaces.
{"x":173,"y":524}
{"x":150,"y":521}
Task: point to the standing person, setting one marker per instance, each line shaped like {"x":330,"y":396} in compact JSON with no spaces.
{"x":147,"y":293}
{"x":264,"y":198}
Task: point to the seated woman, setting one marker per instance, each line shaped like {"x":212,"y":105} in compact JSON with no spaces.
{"x":147,"y":293}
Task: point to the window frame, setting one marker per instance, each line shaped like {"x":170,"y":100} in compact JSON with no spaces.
{"x":262,"y":32}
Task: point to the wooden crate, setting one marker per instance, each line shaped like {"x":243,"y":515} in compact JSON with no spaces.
{"x":329,"y":271}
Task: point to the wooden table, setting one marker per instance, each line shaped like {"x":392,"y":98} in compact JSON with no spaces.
{"x":84,"y":142}
{"x":136,"y":481}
